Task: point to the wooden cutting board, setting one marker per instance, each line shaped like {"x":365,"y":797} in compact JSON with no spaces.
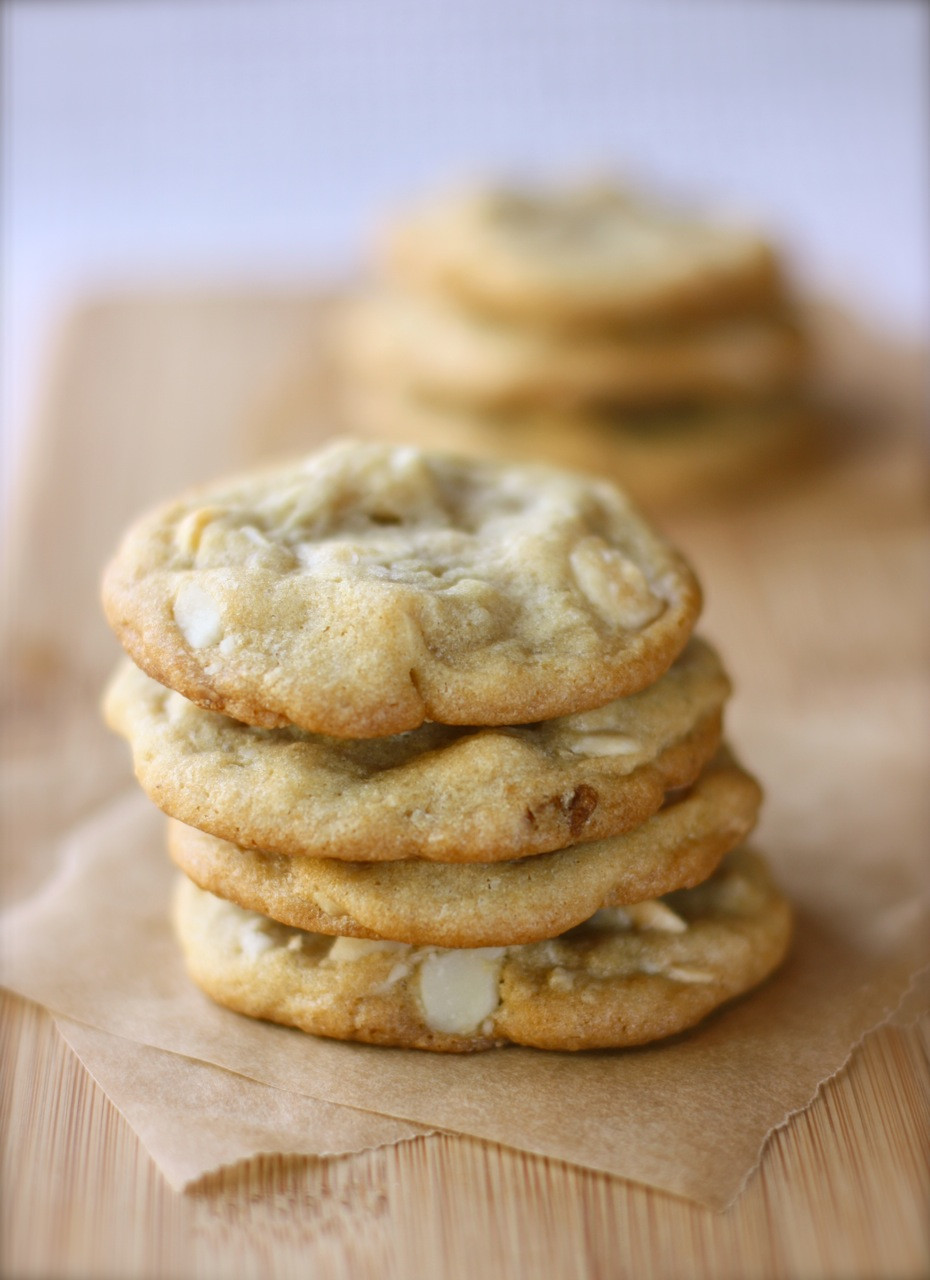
{"x":145,"y":394}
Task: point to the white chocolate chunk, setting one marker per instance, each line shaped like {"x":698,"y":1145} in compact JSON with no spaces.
{"x":603,"y":744}
{"x":329,"y":905}
{"x":678,"y":973}
{"x":397,"y":974}
{"x":655,"y":914}
{"x":459,"y":988}
{"x":190,"y":529}
{"x":253,"y":940}
{"x":561,"y":979}
{"x":349,"y":949}
{"x":196,"y":613}
{"x":177,"y":708}
{"x":614,"y":585}
{"x":329,"y":561}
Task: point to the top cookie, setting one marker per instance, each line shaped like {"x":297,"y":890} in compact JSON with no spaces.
{"x":584,"y":256}
{"x":368,"y":588}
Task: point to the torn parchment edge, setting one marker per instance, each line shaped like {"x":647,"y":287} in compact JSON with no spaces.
{"x":182,"y":1184}
{"x":889,"y":1018}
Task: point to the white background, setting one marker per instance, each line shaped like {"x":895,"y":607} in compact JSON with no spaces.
{"x":235,"y":140}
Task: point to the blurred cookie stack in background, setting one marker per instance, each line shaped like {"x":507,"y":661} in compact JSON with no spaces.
{"x":584,"y":326}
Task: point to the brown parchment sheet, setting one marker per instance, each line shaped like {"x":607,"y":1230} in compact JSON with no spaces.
{"x":813,"y":598}
{"x":195,"y":1119}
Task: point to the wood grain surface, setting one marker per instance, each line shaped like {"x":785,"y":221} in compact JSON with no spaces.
{"x":139,"y":394}
{"x":842,"y":1191}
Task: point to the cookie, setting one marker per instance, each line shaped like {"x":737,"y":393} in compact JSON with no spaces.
{"x":625,"y":977}
{"x":419,"y":344}
{"x":589,"y":256}
{"x":662,"y":457}
{"x":367,"y":588}
{"x":437,"y":792}
{"x":472,"y":905}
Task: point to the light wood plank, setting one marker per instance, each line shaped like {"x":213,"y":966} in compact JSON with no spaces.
{"x":841,"y":1192}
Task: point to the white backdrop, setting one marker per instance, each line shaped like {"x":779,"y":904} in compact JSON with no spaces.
{"x":231,"y":140}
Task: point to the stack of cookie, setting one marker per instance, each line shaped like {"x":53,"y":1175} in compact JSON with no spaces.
{"x":441,"y":755}
{"x":586,"y":327}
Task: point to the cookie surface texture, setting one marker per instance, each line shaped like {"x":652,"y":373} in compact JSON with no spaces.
{"x":589,"y":256}
{"x":437,"y":792}
{"x":472,"y":905}
{"x":368,"y":588}
{"x":626,"y":977}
